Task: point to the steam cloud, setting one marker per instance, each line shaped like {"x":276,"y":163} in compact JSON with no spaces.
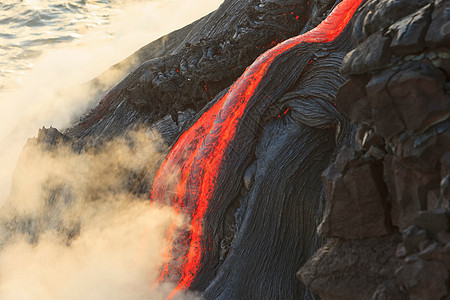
{"x":72,"y":230}
{"x":69,"y":228}
{"x":40,"y":102}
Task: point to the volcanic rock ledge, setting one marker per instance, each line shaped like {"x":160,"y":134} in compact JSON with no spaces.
{"x":387,"y":210}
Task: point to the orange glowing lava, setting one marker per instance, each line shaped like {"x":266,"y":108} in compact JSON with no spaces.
{"x":186,"y":179}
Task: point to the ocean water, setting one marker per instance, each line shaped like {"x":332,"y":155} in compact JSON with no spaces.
{"x":28,"y":28}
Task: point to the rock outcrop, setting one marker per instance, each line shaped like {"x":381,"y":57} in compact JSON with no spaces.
{"x":387,"y":212}
{"x":189,"y":67}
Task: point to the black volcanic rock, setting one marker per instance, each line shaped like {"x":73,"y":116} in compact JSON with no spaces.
{"x":424,"y":151}
{"x":385,"y":118}
{"x":408,"y":190}
{"x":376,"y":16}
{"x":418,"y":95}
{"x":434,"y":221}
{"x":371,"y":54}
{"x":445,"y":164}
{"x":197,"y":63}
{"x":438,"y":33}
{"x":356,"y":199}
{"x":351,"y":269}
{"x":412,"y":237}
{"x":401,"y":106}
{"x":49,"y":138}
{"x":410,"y":32}
{"x":424,"y":279}
{"x":352,"y":101}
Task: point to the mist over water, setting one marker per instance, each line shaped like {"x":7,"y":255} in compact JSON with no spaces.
{"x":100,"y":242}
{"x":78,"y":40}
{"x":71,"y":229}
{"x":29,"y":28}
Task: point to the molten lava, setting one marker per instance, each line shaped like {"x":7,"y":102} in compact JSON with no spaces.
{"x":186,"y":179}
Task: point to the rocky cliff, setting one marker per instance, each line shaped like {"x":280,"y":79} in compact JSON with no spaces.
{"x":387,"y":211}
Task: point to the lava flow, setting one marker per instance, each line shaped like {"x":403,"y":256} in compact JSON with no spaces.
{"x":186,"y":179}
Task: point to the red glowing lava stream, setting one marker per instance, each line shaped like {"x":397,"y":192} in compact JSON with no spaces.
{"x":199,"y":151}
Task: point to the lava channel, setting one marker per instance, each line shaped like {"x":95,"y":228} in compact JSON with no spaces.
{"x":186,"y":179}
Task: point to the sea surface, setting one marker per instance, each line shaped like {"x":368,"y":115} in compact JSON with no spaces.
{"x":28,"y":28}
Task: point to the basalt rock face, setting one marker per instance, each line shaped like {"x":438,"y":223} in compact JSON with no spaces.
{"x":387,"y":211}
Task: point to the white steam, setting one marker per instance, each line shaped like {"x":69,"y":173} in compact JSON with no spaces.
{"x":73,"y":228}
{"x":69,"y":226}
{"x":38,"y":103}
{"x":115,"y":257}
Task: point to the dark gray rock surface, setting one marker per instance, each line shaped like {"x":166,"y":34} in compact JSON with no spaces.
{"x":356,"y":199}
{"x":401,"y":105}
{"x":351,"y":269}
